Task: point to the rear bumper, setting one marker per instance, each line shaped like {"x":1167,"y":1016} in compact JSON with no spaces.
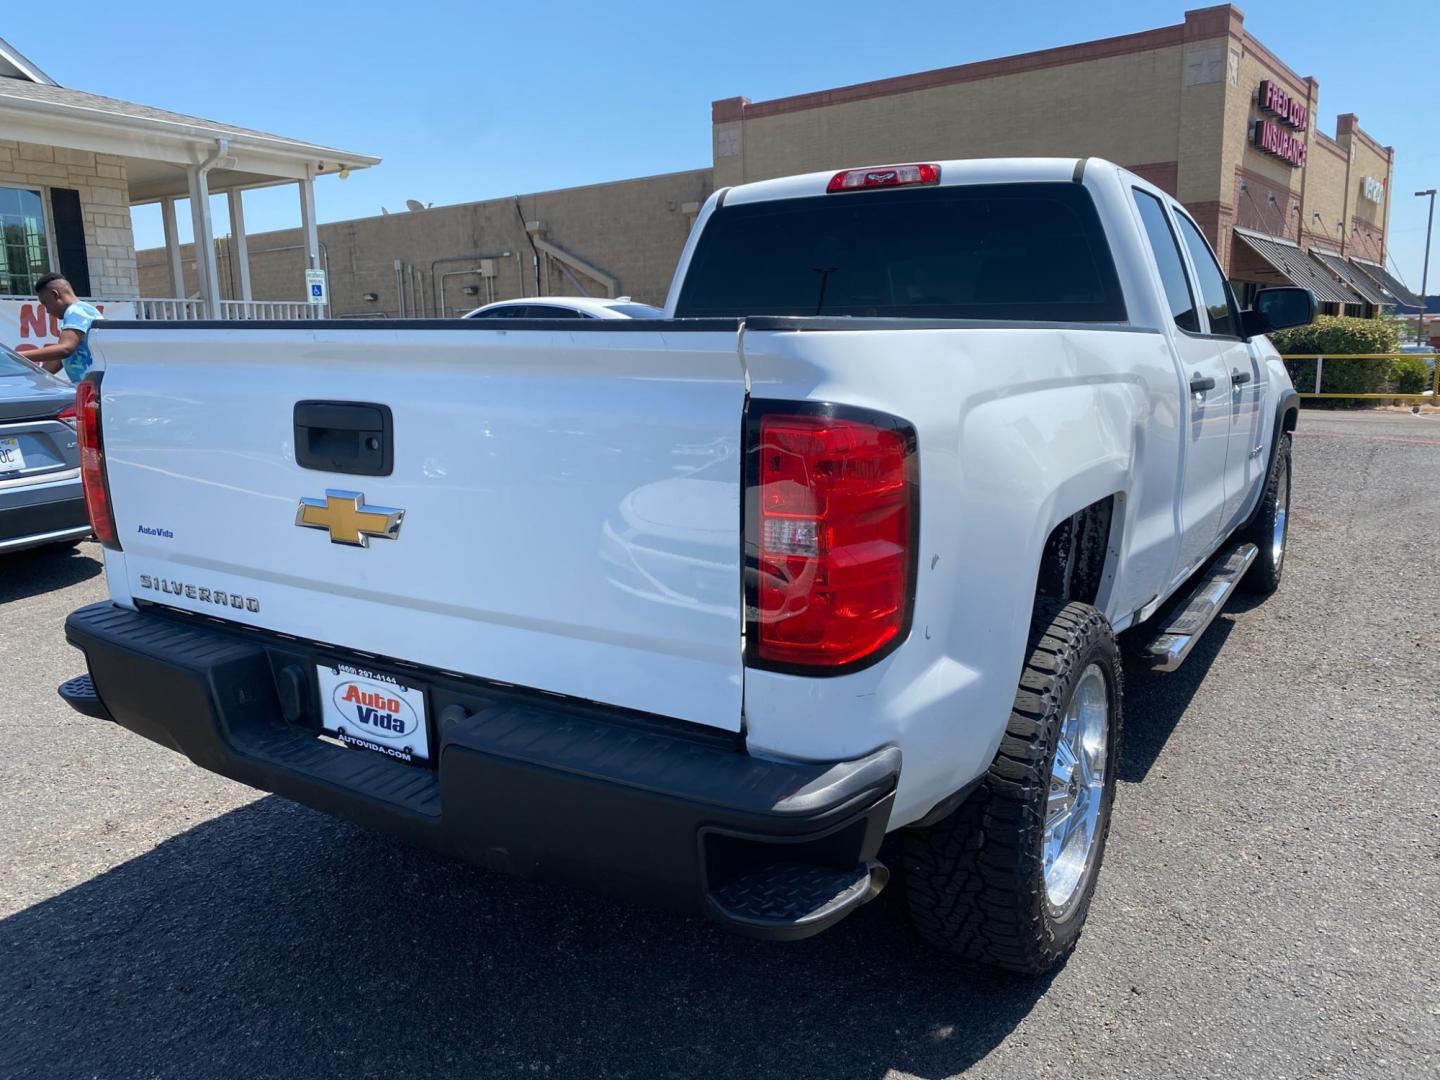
{"x":42,"y":513}
{"x":526,"y":784}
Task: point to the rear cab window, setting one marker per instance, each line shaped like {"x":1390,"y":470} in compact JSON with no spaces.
{"x":1028,"y":252}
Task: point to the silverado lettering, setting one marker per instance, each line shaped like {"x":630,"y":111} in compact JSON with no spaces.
{"x":174,"y":587}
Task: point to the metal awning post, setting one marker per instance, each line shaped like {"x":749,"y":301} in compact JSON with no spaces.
{"x":239,"y":244}
{"x":172,"y":248}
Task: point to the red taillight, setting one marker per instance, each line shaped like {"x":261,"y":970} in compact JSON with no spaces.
{"x":831,"y":538}
{"x":92,"y":464}
{"x":883,"y":176}
{"x":68,"y":414}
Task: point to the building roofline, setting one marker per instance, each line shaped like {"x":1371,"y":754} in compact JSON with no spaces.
{"x":27,"y":68}
{"x":1202,"y":24}
{"x":701,"y":170}
{"x":1330,"y":143}
{"x":1349,"y":124}
{"x":1302,"y":82}
{"x":1142,"y":41}
{"x":188,"y":129}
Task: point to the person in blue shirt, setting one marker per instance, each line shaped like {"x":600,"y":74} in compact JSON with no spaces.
{"x":72,"y":352}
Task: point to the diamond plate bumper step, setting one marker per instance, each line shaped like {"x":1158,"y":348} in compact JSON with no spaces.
{"x":794,"y":900}
{"x":79,"y":694}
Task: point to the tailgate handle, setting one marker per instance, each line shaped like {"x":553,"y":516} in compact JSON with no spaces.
{"x":355,"y":437}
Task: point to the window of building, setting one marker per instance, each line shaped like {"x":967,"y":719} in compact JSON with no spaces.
{"x":1168,"y":260}
{"x":1212,"y":282}
{"x":24,"y":248}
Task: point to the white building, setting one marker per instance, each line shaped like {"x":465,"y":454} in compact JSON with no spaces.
{"x":72,"y":164}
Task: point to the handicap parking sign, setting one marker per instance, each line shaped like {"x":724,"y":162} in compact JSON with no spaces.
{"x":315,"y":285}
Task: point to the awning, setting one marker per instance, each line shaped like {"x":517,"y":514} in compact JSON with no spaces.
{"x":1354,"y":278}
{"x":1299,"y":268}
{"x":1389,"y":282}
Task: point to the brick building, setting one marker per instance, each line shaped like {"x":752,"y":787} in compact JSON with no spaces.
{"x":1200,"y":108}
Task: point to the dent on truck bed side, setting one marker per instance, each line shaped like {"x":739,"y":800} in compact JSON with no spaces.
{"x":1018,"y":428}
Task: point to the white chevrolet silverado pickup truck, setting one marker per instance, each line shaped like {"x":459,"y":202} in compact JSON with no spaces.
{"x":700,"y":609}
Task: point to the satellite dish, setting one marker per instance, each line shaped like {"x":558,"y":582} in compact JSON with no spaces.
{"x":384,"y":211}
{"x":414,"y":204}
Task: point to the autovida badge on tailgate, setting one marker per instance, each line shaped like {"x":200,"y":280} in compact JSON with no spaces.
{"x":349,"y":519}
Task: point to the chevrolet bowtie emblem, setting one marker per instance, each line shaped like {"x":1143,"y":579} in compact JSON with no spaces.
{"x":344,"y":515}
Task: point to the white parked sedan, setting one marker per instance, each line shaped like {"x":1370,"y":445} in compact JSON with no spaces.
{"x":567,"y":307}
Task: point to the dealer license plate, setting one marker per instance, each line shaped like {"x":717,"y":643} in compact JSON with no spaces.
{"x":11,"y":459}
{"x":374,"y":711}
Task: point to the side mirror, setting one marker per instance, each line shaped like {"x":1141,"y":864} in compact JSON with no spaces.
{"x":1278,"y":309}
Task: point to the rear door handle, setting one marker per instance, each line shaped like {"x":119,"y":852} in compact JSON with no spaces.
{"x":1239,"y":378}
{"x":1200,"y":383}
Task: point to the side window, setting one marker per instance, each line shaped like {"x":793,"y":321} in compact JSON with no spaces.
{"x":1167,"y":258}
{"x":545,"y":311}
{"x":1213,"y":289}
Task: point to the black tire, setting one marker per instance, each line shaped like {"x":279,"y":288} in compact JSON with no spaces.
{"x":1265,"y":571}
{"x":975,"y":881}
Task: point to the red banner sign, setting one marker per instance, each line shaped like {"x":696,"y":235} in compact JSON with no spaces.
{"x":25,"y":325}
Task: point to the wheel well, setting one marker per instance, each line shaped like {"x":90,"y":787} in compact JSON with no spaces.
{"x":1291,"y":418}
{"x":1072,"y":566}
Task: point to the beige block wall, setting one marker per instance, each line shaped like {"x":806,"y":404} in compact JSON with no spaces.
{"x":1326,"y":172}
{"x":104,"y":204}
{"x":1125,"y":108}
{"x":633,"y":230}
{"x":1368,"y":220}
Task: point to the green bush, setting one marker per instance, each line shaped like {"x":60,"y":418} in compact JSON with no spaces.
{"x":1337,"y":335}
{"x":1409,"y":375}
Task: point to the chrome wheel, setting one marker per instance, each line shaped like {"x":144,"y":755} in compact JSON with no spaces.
{"x":1077,"y":788}
{"x":1282,"y":511}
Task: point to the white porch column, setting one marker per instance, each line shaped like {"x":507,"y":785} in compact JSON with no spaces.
{"x":172,"y":248}
{"x":239,"y":244}
{"x":204,"y":240}
{"x":310,"y":236}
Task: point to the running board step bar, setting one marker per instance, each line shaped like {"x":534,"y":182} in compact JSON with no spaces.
{"x":1178,"y":635}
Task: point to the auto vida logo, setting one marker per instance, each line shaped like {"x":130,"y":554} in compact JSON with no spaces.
{"x":375,"y":709}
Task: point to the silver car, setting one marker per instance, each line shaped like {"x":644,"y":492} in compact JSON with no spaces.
{"x":40,"y":497}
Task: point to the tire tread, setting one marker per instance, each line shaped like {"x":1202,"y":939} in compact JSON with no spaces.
{"x":973,"y":883}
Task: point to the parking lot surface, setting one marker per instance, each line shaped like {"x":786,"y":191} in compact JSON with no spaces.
{"x":1268,"y":905}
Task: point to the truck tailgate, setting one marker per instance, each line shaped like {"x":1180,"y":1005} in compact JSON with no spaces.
{"x":571,"y":499}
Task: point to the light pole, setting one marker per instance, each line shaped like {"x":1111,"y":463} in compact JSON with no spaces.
{"x":1425,"y":269}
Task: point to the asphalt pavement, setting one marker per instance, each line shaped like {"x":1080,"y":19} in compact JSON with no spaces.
{"x":1269,"y":905}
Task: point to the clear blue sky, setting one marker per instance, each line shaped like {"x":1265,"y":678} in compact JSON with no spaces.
{"x":473,"y":100}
